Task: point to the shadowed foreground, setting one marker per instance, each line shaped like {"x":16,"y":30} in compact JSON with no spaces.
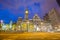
{"x":30,"y":36}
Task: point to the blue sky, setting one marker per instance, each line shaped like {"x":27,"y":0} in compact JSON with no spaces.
{"x":12,"y":9}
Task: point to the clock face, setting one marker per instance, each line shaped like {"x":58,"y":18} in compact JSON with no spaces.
{"x":26,"y":12}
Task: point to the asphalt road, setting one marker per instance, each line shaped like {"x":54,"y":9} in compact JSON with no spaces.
{"x":30,"y":36}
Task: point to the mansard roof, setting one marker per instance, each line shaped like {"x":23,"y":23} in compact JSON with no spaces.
{"x":36,"y":17}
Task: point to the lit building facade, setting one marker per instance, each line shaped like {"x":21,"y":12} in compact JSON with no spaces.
{"x":51,"y":20}
{"x":0,"y":25}
{"x":18,"y":24}
{"x":37,"y":22}
{"x":25,"y":22}
{"x":54,"y":17}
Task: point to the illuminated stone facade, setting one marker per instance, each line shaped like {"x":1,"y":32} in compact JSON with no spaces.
{"x":37,"y":22}
{"x":18,"y":24}
{"x":51,"y":20}
{"x":0,"y":25}
{"x":54,"y":17}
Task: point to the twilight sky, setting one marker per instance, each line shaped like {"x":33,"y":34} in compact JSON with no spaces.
{"x":12,"y":9}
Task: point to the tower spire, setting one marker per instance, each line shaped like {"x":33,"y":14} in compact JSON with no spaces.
{"x":26,"y":14}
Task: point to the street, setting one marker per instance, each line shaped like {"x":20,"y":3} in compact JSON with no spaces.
{"x":30,"y":36}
